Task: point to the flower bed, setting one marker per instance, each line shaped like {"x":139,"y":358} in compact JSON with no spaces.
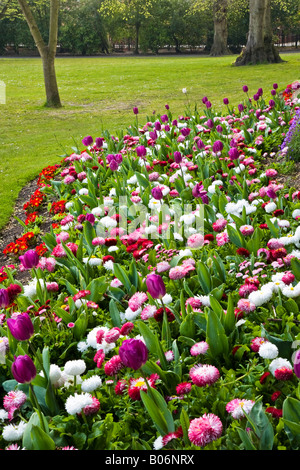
{"x":163,"y":306}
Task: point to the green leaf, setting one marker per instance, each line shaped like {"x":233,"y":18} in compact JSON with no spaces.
{"x":295,"y":266}
{"x":215,"y":335}
{"x":204,"y":277}
{"x":97,"y":287}
{"x":80,"y":326}
{"x":89,"y":234}
{"x":114,"y":313}
{"x":187,"y":327}
{"x":229,"y":319}
{"x":291,"y":419}
{"x":120,"y":273}
{"x":157,"y":404}
{"x":34,"y":420}
{"x":40,"y":439}
{"x":284,"y":347}
{"x":185,"y":424}
{"x":261,"y":426}
{"x":235,"y":236}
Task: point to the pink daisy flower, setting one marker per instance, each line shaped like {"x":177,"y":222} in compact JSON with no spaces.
{"x":236,"y":406}
{"x":148,"y":312}
{"x":199,"y":348}
{"x":205,"y":429}
{"x":219,"y":225}
{"x":183,"y":388}
{"x":113,"y":366}
{"x":13,"y":401}
{"x":246,"y":230}
{"x":196,"y":240}
{"x":256,"y":343}
{"x":93,"y":408}
{"x":112,"y":335}
{"x":137,"y":385}
{"x":202,"y":375}
{"x":246,"y":306}
{"x":222,"y":238}
{"x":137,"y":300}
{"x":194,"y":302}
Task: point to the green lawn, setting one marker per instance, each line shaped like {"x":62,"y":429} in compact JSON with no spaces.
{"x":99,"y":93}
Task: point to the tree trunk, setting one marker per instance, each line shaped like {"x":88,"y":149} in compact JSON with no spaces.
{"x":259,"y":47}
{"x":270,"y":50}
{"x":219,"y":46}
{"x":47,"y":52}
{"x":52,"y":93}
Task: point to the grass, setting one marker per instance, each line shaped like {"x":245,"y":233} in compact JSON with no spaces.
{"x":99,"y":94}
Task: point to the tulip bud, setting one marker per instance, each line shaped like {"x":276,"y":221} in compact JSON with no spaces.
{"x":30,"y":259}
{"x":21,"y":327}
{"x":157,"y":193}
{"x":23,"y":369}
{"x":177,"y":157}
{"x":133,"y":353}
{"x":155,"y":286}
{"x":4,"y":298}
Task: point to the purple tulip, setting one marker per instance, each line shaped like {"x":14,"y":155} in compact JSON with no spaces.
{"x":226,"y":101}
{"x":174,"y":122}
{"x":4,"y":298}
{"x":204,"y":99}
{"x":164,"y":118}
{"x":275,"y":86}
{"x":155,"y":286}
{"x":157,"y":193}
{"x":118,"y":158}
{"x":23,"y":369}
{"x":21,"y":327}
{"x":198,"y":191}
{"x":200,"y":144}
{"x":260,"y":91}
{"x":177,"y":157}
{"x":217,"y":146}
{"x":240,"y":107}
{"x":90,"y":218}
{"x":256,"y":97}
{"x":157,"y":126}
{"x":99,"y":142}
{"x":210,"y":123}
{"x":272,"y":103}
{"x":208,"y":104}
{"x":233,"y":153}
{"x":30,"y":259}
{"x":153,"y":135}
{"x":185,"y":131}
{"x":273,"y":92}
{"x":141,"y":151}
{"x":271,"y":193}
{"x":87,"y":141}
{"x":133,"y":353}
{"x":297,"y":363}
{"x":245,"y":88}
{"x":135,"y":110}
{"x":219,"y":129}
{"x":113,"y":165}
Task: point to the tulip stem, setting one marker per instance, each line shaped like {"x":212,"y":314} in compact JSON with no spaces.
{"x":38,"y":408}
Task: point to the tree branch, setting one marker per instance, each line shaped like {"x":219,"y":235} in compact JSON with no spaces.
{"x":36,"y":34}
{"x":54,"y":10}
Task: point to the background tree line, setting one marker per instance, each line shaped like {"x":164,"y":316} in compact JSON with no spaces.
{"x":88,"y":27}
